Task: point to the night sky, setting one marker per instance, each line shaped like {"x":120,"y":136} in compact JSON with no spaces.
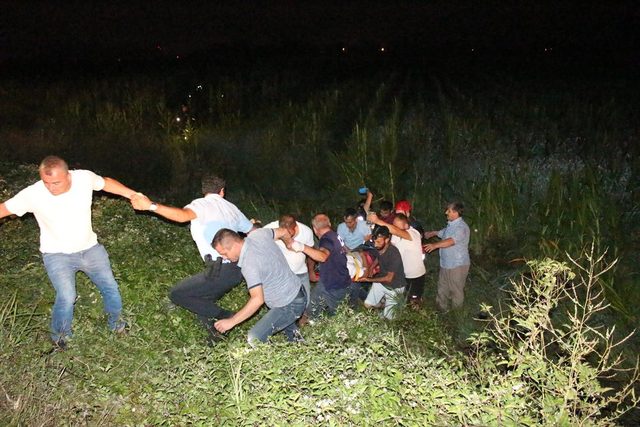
{"x":107,"y":30}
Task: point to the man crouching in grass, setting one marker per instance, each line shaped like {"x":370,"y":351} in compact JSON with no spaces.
{"x":269,"y":280}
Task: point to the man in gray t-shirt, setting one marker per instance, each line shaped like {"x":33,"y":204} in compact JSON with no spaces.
{"x":269,"y":280}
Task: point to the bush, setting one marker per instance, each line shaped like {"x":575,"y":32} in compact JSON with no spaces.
{"x":548,"y":339}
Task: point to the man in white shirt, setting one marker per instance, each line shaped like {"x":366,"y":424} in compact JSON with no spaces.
{"x":299,"y":263}
{"x":61,"y":204}
{"x":208,"y":214}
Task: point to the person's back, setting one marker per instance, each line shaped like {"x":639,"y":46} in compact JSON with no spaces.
{"x":212,"y":213}
{"x":334,"y":280}
{"x":333,"y":272}
{"x":262,"y":262}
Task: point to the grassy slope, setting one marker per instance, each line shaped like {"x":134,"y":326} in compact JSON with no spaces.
{"x":353,"y":369}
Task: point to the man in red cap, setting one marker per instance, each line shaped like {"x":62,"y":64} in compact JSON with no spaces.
{"x":404,"y":207}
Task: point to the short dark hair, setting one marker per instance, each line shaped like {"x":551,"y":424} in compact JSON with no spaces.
{"x":350,"y":212}
{"x":456,"y":206}
{"x":381,"y":230}
{"x":402,"y":217}
{"x":223,"y":236}
{"x":287,"y":221}
{"x":386,"y":205}
{"x":212,"y":184}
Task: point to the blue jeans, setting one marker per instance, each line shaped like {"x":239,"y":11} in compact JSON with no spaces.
{"x":62,"y":268}
{"x":280,"y":319}
{"x":325,"y":299}
{"x":304,"y":278}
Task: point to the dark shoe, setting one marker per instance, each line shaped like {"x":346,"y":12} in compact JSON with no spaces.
{"x":121,"y":328}
{"x":60,"y":345}
{"x":297,"y":337}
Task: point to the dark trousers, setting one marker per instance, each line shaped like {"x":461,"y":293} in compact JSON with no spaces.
{"x":415,"y":287}
{"x":201,"y":292}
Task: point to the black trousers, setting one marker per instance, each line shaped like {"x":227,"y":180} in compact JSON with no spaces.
{"x":415,"y":287}
{"x":201,"y":292}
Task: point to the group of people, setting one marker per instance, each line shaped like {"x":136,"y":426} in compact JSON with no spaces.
{"x":372,"y":259}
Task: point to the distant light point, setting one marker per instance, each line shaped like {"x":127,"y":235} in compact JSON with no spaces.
{"x":381,"y":49}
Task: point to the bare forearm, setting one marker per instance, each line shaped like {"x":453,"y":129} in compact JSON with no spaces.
{"x":143,"y":203}
{"x":430,"y":247}
{"x":4,"y":211}
{"x":387,"y":278}
{"x":315,"y":254}
{"x":175,"y":214}
{"x":445,"y":243}
{"x":116,"y":187}
{"x":247,"y":311}
{"x":404,"y":234}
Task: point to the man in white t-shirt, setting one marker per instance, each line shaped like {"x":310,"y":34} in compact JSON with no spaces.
{"x":208,"y":214}
{"x":61,"y":204}
{"x":299,"y":263}
{"x":409,"y":242}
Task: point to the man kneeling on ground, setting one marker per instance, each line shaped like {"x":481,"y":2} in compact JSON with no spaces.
{"x":390,"y":282}
{"x":269,"y":280}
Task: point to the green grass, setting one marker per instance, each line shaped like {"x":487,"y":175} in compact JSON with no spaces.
{"x":543,"y":167}
{"x":353,"y":369}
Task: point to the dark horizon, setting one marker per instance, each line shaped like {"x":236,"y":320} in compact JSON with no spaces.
{"x":39,"y":32}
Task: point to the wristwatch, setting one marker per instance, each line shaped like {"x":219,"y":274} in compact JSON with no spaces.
{"x":153,"y":207}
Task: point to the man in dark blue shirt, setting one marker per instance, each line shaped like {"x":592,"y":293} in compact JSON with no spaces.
{"x":334,"y":281}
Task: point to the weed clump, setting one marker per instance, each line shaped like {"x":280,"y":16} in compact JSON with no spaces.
{"x":547,"y":338}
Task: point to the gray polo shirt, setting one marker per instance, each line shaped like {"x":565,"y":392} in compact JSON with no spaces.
{"x":262,"y":263}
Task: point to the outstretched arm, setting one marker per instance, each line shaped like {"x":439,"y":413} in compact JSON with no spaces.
{"x":256,"y":299}
{"x":116,"y":187}
{"x":387,"y":278}
{"x":4,"y":211}
{"x":430,"y":247}
{"x":318,"y":255}
{"x":367,"y":202}
{"x":374,"y":218}
{"x":142,"y":203}
{"x":430,"y":234}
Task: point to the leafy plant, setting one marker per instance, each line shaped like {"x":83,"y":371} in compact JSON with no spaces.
{"x":547,"y":337}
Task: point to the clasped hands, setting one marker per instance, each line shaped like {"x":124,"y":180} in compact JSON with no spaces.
{"x":140,"y":202}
